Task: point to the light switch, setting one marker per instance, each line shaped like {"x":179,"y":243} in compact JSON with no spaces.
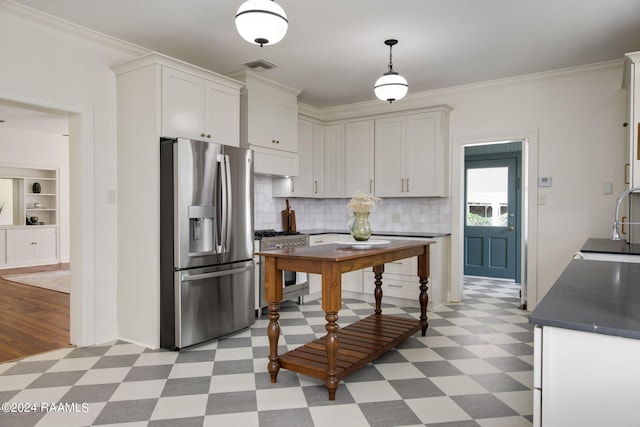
{"x":607,"y":188}
{"x":542,"y":199}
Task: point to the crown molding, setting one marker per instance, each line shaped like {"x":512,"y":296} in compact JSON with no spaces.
{"x":69,"y":27}
{"x":421,"y":100}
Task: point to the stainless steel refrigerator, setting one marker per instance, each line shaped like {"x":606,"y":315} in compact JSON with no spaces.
{"x":206,"y":241}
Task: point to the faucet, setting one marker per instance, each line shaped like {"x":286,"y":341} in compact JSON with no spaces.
{"x":615,"y":234}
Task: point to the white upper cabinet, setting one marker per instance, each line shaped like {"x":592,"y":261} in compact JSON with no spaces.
{"x":390,"y":156}
{"x":359,"y":148}
{"x":411,"y":155}
{"x":631,"y":82}
{"x":273,"y":118}
{"x":334,"y":161}
{"x":197,"y":108}
{"x":159,"y":96}
{"x":303,"y":184}
{"x":269,"y":123}
{"x":317,"y":169}
{"x":322,"y":163}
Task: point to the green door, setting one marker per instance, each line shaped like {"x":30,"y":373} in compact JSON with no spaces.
{"x":491,"y":230}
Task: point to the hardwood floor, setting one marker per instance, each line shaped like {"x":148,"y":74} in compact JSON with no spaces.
{"x":32,"y":320}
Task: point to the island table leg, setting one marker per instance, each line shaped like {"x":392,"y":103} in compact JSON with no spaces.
{"x":273,"y":295}
{"x":377,"y":293}
{"x":273,"y":332}
{"x":331,"y":344}
{"x":331,"y":304}
{"x":423,"y":274}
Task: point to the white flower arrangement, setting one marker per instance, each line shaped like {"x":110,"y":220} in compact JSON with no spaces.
{"x":363,"y":202}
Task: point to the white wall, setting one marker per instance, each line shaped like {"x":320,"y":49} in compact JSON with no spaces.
{"x":46,"y":64}
{"x":581,"y":143}
{"x":577,"y":115}
{"x":32,"y":150}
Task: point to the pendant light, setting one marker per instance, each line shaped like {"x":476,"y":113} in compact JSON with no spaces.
{"x":391,"y":86}
{"x":261,"y":22}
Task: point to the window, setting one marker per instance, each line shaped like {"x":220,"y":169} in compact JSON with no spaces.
{"x":487,"y":192}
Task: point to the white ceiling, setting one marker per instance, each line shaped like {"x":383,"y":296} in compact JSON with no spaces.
{"x":334,"y":49}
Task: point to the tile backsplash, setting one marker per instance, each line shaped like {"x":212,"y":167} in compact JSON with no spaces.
{"x":393,"y":214}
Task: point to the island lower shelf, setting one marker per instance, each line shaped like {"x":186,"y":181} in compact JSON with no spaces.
{"x":358,"y":344}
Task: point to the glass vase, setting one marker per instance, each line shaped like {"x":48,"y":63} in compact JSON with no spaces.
{"x":360,"y":227}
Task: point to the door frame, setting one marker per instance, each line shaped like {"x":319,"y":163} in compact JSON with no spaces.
{"x":515,"y":199}
{"x":82,"y":304}
{"x":529,"y":225}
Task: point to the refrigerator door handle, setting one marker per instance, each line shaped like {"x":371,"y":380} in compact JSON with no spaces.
{"x":226,"y":214}
{"x":188,"y":278}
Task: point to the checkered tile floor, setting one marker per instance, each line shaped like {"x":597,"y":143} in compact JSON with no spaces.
{"x":474,"y":368}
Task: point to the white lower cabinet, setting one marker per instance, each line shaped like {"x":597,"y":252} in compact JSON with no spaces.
{"x":585,"y":379}
{"x":31,"y":245}
{"x":400,"y":279}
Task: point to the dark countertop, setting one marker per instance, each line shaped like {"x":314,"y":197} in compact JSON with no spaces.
{"x":594,"y":296}
{"x":608,"y":246}
{"x":426,"y":235}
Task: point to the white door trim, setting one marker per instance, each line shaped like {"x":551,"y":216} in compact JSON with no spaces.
{"x":529,"y":249}
{"x":81,"y":210}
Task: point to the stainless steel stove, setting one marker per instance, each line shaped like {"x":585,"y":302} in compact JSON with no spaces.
{"x":296,"y":285}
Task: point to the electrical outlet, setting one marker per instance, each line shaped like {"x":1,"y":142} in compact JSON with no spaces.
{"x":395,"y":217}
{"x":542,"y":199}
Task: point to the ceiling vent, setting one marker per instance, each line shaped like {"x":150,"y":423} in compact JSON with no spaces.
{"x":260,"y":65}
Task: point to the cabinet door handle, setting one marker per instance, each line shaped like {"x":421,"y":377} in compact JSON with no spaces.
{"x":315,"y":187}
{"x":403,"y":185}
{"x":293,"y":185}
{"x":624,"y":219}
{"x":407,"y":185}
{"x":208,"y":135}
{"x":371,"y":186}
{"x":394,"y":286}
{"x":626,"y":173}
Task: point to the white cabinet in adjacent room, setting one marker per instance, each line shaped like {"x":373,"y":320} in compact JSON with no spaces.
{"x":3,"y":247}
{"x":411,"y":155}
{"x":196,"y":108}
{"x":31,"y":245}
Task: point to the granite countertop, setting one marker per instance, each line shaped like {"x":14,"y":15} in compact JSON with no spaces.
{"x":426,"y":234}
{"x":594,"y":296}
{"x":608,"y":246}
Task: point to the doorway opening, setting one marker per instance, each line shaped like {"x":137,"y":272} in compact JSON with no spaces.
{"x":493,"y":206}
{"x":525,"y":237}
{"x":35,"y":253}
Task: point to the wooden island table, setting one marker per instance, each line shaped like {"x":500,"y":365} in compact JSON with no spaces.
{"x":343,"y":350}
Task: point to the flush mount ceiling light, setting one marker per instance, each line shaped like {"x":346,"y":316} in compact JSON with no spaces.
{"x":391,"y":86}
{"x":261,"y":22}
